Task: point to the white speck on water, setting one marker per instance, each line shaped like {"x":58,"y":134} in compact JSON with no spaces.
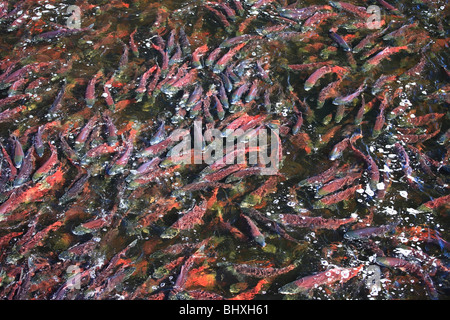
{"x":404,"y":194}
{"x":369,"y":191}
{"x":413,"y":211}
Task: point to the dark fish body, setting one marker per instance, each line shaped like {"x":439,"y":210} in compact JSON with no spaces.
{"x":38,"y":144}
{"x":159,"y":135}
{"x":339,"y":40}
{"x":337,"y":197}
{"x":75,"y":189}
{"x":369,"y":232}
{"x":48,"y":165}
{"x":84,"y":133}
{"x":18,"y":153}
{"x":255,"y":232}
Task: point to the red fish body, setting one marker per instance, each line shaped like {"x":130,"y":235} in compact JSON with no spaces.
{"x":314,"y":223}
{"x":319,"y":73}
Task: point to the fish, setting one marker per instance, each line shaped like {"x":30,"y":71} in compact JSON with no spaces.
{"x":381,"y":81}
{"x":339,"y":40}
{"x":133,"y":46}
{"x":361,"y":12}
{"x":11,"y":114}
{"x":187,"y":221}
{"x":144,"y":168}
{"x":222,"y":173}
{"x":90,"y":89}
{"x":159,"y":135}
{"x":261,"y":272}
{"x":338,"y":148}
{"x":328,"y":92}
{"x":84,"y":133}
{"x":418,"y":121}
{"x":387,"y":6}
{"x":252,"y":92}
{"x":16,"y":87}
{"x":337,"y":197}
{"x":298,"y":125}
{"x":111,"y":128}
{"x":369,"y":40}
{"x":25,"y":170}
{"x":200,"y":51}
{"x":222,"y":18}
{"x":238,"y":92}
{"x":143,"y":82}
{"x":230,"y":42}
{"x":301,"y":13}
{"x":380,"y":120}
{"x":434,"y":204}
{"x":369,"y":232}
{"x":404,"y":157}
{"x":416,"y":70}
{"x":194,"y":97}
{"x":328,"y":277}
{"x":69,"y":153}
{"x":38,"y":144}
{"x":184,"y":41}
{"x":323,"y":177}
{"x":254,"y":231}
{"x":319,"y":73}
{"x":400,"y":32}
{"x":154,"y":82}
{"x":219,"y":107}
{"x":372,"y":168}
{"x":314,"y":223}
{"x":414,"y":138}
{"x":61,"y":32}
{"x":18,"y":152}
{"x":212,"y":57}
{"x":75,"y":189}
{"x":409,"y":267}
{"x":9,"y":100}
{"x":50,"y":163}
{"x":316,"y":19}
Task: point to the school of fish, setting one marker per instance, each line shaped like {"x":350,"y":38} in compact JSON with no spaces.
{"x":97,"y":203}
